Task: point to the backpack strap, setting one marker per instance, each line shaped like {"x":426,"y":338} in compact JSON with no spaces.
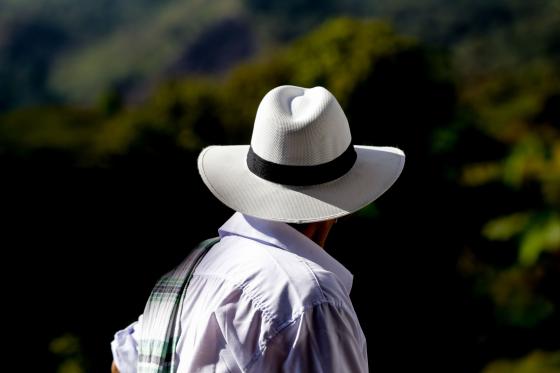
{"x":160,"y":327}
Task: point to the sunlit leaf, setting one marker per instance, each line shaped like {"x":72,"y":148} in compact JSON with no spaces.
{"x":481,"y":173}
{"x":66,"y":344}
{"x":505,"y":227}
{"x":535,"y":362}
{"x":544,"y":236}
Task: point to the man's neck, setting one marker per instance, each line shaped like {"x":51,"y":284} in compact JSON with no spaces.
{"x":317,"y":231}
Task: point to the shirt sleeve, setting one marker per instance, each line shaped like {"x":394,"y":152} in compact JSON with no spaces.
{"x":323,"y":339}
{"x":125,"y":347}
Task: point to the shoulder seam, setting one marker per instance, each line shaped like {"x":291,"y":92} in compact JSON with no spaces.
{"x":245,"y":291}
{"x":283,"y":326}
{"x":323,"y":297}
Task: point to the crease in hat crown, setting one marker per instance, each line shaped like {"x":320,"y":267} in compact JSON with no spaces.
{"x":300,"y":126}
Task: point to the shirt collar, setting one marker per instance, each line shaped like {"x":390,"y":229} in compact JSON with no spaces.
{"x":284,"y":236}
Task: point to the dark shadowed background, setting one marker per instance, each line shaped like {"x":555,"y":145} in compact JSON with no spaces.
{"x":104,"y":107}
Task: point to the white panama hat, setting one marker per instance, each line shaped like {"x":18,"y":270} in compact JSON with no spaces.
{"x":301,"y":165}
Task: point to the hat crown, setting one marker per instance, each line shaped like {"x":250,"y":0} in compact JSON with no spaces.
{"x":300,"y":126}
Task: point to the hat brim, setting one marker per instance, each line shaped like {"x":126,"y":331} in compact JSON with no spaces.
{"x":224,"y":171}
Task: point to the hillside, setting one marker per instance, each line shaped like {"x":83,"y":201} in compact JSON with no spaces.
{"x":67,"y":51}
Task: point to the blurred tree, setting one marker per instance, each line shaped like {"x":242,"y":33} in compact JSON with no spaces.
{"x":536,"y":362}
{"x":515,"y":108}
{"x":68,"y":350}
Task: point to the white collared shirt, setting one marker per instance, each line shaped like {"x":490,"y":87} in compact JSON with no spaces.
{"x":265,"y":298}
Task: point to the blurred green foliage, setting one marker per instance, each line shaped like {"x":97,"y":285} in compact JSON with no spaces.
{"x":517,"y":108}
{"x":188,"y":114}
{"x":536,"y":362}
{"x":68,"y":351}
{"x":62,"y":50}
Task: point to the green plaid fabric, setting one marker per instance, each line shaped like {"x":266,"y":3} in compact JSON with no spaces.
{"x":160,"y":331}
